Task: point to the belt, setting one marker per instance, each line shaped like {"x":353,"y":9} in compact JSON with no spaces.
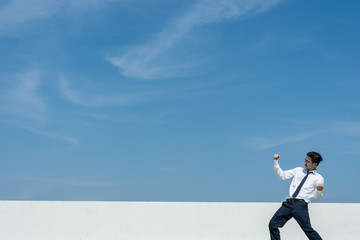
{"x":292,"y":200}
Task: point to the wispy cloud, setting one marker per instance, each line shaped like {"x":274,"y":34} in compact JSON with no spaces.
{"x":24,"y":99}
{"x":15,"y":13}
{"x":157,"y":118}
{"x":22,"y":105}
{"x":72,"y":140}
{"x":331,"y":129}
{"x":262,"y":143}
{"x":93,"y":100}
{"x":150,"y":60}
{"x":347,"y":128}
{"x":87,"y":97}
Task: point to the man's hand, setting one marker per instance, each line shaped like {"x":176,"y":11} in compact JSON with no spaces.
{"x":276,"y":157}
{"x":320,"y":187}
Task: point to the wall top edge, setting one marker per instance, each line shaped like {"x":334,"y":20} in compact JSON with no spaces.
{"x":158,"y":202}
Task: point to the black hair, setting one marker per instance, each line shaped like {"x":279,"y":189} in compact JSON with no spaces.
{"x":315,"y":157}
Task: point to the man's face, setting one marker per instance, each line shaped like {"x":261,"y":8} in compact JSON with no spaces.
{"x":309,"y":165}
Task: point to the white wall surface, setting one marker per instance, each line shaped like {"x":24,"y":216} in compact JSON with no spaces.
{"x":36,"y":220}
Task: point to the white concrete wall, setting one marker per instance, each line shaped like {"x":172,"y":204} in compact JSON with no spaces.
{"x":33,"y":220}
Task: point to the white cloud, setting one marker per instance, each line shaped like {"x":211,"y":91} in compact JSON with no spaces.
{"x":87,"y":97}
{"x":262,"y":143}
{"x":93,"y":100}
{"x":125,"y":118}
{"x":24,"y":99}
{"x":331,"y":129}
{"x":52,"y":135}
{"x":347,"y":128}
{"x":149,"y":61}
{"x":23,"y":106}
{"x":16,"y":13}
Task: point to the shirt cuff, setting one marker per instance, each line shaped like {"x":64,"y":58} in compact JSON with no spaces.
{"x":318,"y":195}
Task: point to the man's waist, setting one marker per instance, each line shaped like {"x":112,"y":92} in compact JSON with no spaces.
{"x":292,"y":200}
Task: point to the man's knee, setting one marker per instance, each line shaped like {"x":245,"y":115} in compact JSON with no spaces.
{"x":272,"y":224}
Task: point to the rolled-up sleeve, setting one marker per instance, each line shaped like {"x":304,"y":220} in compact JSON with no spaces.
{"x":319,"y":194}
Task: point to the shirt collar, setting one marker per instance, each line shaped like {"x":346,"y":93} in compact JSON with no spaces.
{"x":311,"y":171}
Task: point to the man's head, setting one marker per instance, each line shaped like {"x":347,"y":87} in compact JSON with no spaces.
{"x":312,"y":160}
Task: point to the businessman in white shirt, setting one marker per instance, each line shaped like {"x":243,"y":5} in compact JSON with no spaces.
{"x":306,"y":183}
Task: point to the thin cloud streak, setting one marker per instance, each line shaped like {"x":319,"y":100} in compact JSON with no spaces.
{"x":91,"y":100}
{"x":150,"y":61}
{"x":24,"y":100}
{"x":261,"y":143}
{"x":72,"y":140}
{"x":23,"y":106}
{"x":25,"y":125}
{"x":347,"y":128}
{"x":130,"y":118}
{"x":16,"y":13}
{"x":338,"y":128}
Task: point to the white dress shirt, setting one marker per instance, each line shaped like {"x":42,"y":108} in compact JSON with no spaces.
{"x":308,"y":190}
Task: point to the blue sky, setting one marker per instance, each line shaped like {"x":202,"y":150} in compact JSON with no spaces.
{"x":169,"y":100}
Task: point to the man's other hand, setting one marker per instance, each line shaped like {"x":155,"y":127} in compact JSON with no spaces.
{"x":276,"y":156}
{"x":320,"y":187}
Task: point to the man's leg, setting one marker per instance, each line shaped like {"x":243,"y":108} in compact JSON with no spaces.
{"x":278,"y":220}
{"x":301,"y":215}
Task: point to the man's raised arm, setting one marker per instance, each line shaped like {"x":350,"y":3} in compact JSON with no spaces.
{"x":284,"y":175}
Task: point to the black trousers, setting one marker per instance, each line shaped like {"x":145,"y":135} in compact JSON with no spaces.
{"x":299,"y":211}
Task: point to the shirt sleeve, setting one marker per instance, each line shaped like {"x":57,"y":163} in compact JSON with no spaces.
{"x":319,"y":194}
{"x":284,"y":175}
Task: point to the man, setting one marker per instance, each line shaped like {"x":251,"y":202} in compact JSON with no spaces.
{"x":306,"y":183}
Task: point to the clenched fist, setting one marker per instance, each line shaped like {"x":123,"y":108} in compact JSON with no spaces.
{"x":276,"y":156}
{"x":320,"y":187}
